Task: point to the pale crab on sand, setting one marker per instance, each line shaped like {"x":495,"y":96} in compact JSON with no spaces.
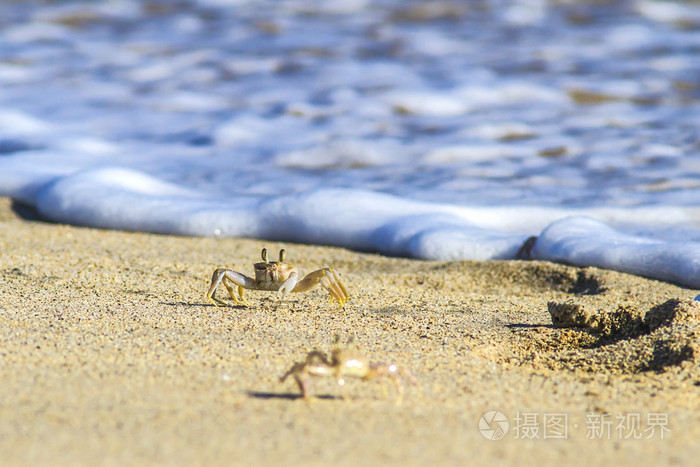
{"x":343,"y":364}
{"x":276,"y":276}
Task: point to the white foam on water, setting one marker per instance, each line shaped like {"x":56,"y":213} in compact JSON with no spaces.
{"x":426,"y":103}
{"x":116,"y":198}
{"x":16,"y":123}
{"x":583,"y":241}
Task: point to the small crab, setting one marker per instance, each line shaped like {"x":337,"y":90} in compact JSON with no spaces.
{"x":342,"y":365}
{"x":276,"y":276}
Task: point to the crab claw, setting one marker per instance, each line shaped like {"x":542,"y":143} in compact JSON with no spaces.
{"x":288,"y":285}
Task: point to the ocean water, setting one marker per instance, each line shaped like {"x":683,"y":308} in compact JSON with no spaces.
{"x":427,"y":129}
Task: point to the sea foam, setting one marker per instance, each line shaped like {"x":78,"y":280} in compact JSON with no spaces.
{"x":583,"y":241}
{"x":119,"y":198}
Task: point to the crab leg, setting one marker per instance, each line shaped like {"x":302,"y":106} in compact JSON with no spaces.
{"x":332,"y":283}
{"x":303,"y":385}
{"x":228,"y":277}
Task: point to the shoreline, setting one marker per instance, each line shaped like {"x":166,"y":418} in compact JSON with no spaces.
{"x":112,"y":355}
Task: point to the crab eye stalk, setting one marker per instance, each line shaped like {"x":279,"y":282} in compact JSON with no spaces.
{"x":283,"y":254}
{"x":264,"y":255}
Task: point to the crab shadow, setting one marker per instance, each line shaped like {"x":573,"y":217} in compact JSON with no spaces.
{"x":206,"y":305}
{"x":287,"y":396}
{"x":529,"y":326}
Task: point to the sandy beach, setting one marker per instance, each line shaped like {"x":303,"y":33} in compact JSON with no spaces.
{"x":110,"y":354}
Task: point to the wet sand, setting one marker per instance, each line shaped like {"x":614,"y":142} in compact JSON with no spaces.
{"x":110,"y":354}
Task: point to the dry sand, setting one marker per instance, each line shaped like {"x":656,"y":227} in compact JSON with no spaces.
{"x":111,"y":355}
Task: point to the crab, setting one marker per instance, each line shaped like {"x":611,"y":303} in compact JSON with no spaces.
{"x":277,"y":276}
{"x":341,"y":365}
